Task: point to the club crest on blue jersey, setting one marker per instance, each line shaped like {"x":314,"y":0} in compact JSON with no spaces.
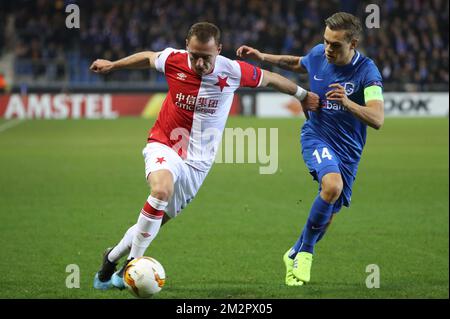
{"x":349,"y":88}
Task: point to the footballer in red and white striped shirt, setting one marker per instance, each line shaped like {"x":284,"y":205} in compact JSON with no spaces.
{"x":182,"y":144}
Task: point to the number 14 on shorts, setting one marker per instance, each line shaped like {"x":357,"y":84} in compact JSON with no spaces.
{"x":325,"y":154}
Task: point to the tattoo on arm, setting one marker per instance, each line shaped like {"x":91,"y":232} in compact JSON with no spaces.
{"x":287,"y":62}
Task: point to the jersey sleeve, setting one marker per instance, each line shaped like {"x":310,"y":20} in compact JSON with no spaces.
{"x":307,"y":60}
{"x":251,"y":76}
{"x":373,"y":76}
{"x":160,"y":62}
{"x":372,"y":83}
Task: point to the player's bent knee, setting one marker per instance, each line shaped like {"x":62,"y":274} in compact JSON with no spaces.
{"x":335,"y":190}
{"x":161,"y":184}
{"x":161,"y":192}
{"x":331,"y":193}
{"x":332,"y":186}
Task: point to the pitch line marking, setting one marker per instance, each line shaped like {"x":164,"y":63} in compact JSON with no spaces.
{"x":10,"y":124}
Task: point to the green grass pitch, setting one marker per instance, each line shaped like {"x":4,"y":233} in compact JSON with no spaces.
{"x":69,"y":189}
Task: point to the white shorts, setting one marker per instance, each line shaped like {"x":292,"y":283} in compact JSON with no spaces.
{"x":187,"y":179}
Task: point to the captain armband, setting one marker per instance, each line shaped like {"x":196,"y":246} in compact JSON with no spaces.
{"x":373,"y":92}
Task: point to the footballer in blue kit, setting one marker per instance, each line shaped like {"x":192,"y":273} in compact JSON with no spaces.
{"x":333,"y":140}
{"x":349,"y":86}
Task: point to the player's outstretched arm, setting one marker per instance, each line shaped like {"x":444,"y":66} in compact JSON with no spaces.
{"x":309,"y":100}
{"x":141,"y":60}
{"x":287,"y":62}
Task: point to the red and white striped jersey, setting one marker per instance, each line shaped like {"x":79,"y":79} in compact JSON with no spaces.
{"x":194,"y":113}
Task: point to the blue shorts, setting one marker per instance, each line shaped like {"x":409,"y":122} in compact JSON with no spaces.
{"x":321,"y":159}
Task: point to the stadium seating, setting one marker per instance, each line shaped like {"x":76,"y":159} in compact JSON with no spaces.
{"x":411,"y":52}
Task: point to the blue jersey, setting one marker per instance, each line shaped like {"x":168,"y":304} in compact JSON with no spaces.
{"x":333,"y":124}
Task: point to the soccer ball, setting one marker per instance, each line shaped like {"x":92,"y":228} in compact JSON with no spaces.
{"x":144,"y":277}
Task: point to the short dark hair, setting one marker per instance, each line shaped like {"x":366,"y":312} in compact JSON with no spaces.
{"x":204,"y":31}
{"x":345,"y":21}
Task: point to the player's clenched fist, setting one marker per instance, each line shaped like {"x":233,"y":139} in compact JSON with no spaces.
{"x":101,"y":66}
{"x":311,"y":102}
{"x":246,"y":52}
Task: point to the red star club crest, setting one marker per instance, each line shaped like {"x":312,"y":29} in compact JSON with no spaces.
{"x":222,"y":82}
{"x":160,"y":160}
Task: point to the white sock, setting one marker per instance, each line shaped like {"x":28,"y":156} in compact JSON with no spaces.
{"x":124,"y":246}
{"x":147,"y":226}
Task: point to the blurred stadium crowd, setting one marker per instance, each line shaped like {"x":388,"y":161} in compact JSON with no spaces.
{"x":410,"y":48}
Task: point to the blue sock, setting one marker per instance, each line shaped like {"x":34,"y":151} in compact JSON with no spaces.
{"x":315,"y":227}
{"x":296,"y":247}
